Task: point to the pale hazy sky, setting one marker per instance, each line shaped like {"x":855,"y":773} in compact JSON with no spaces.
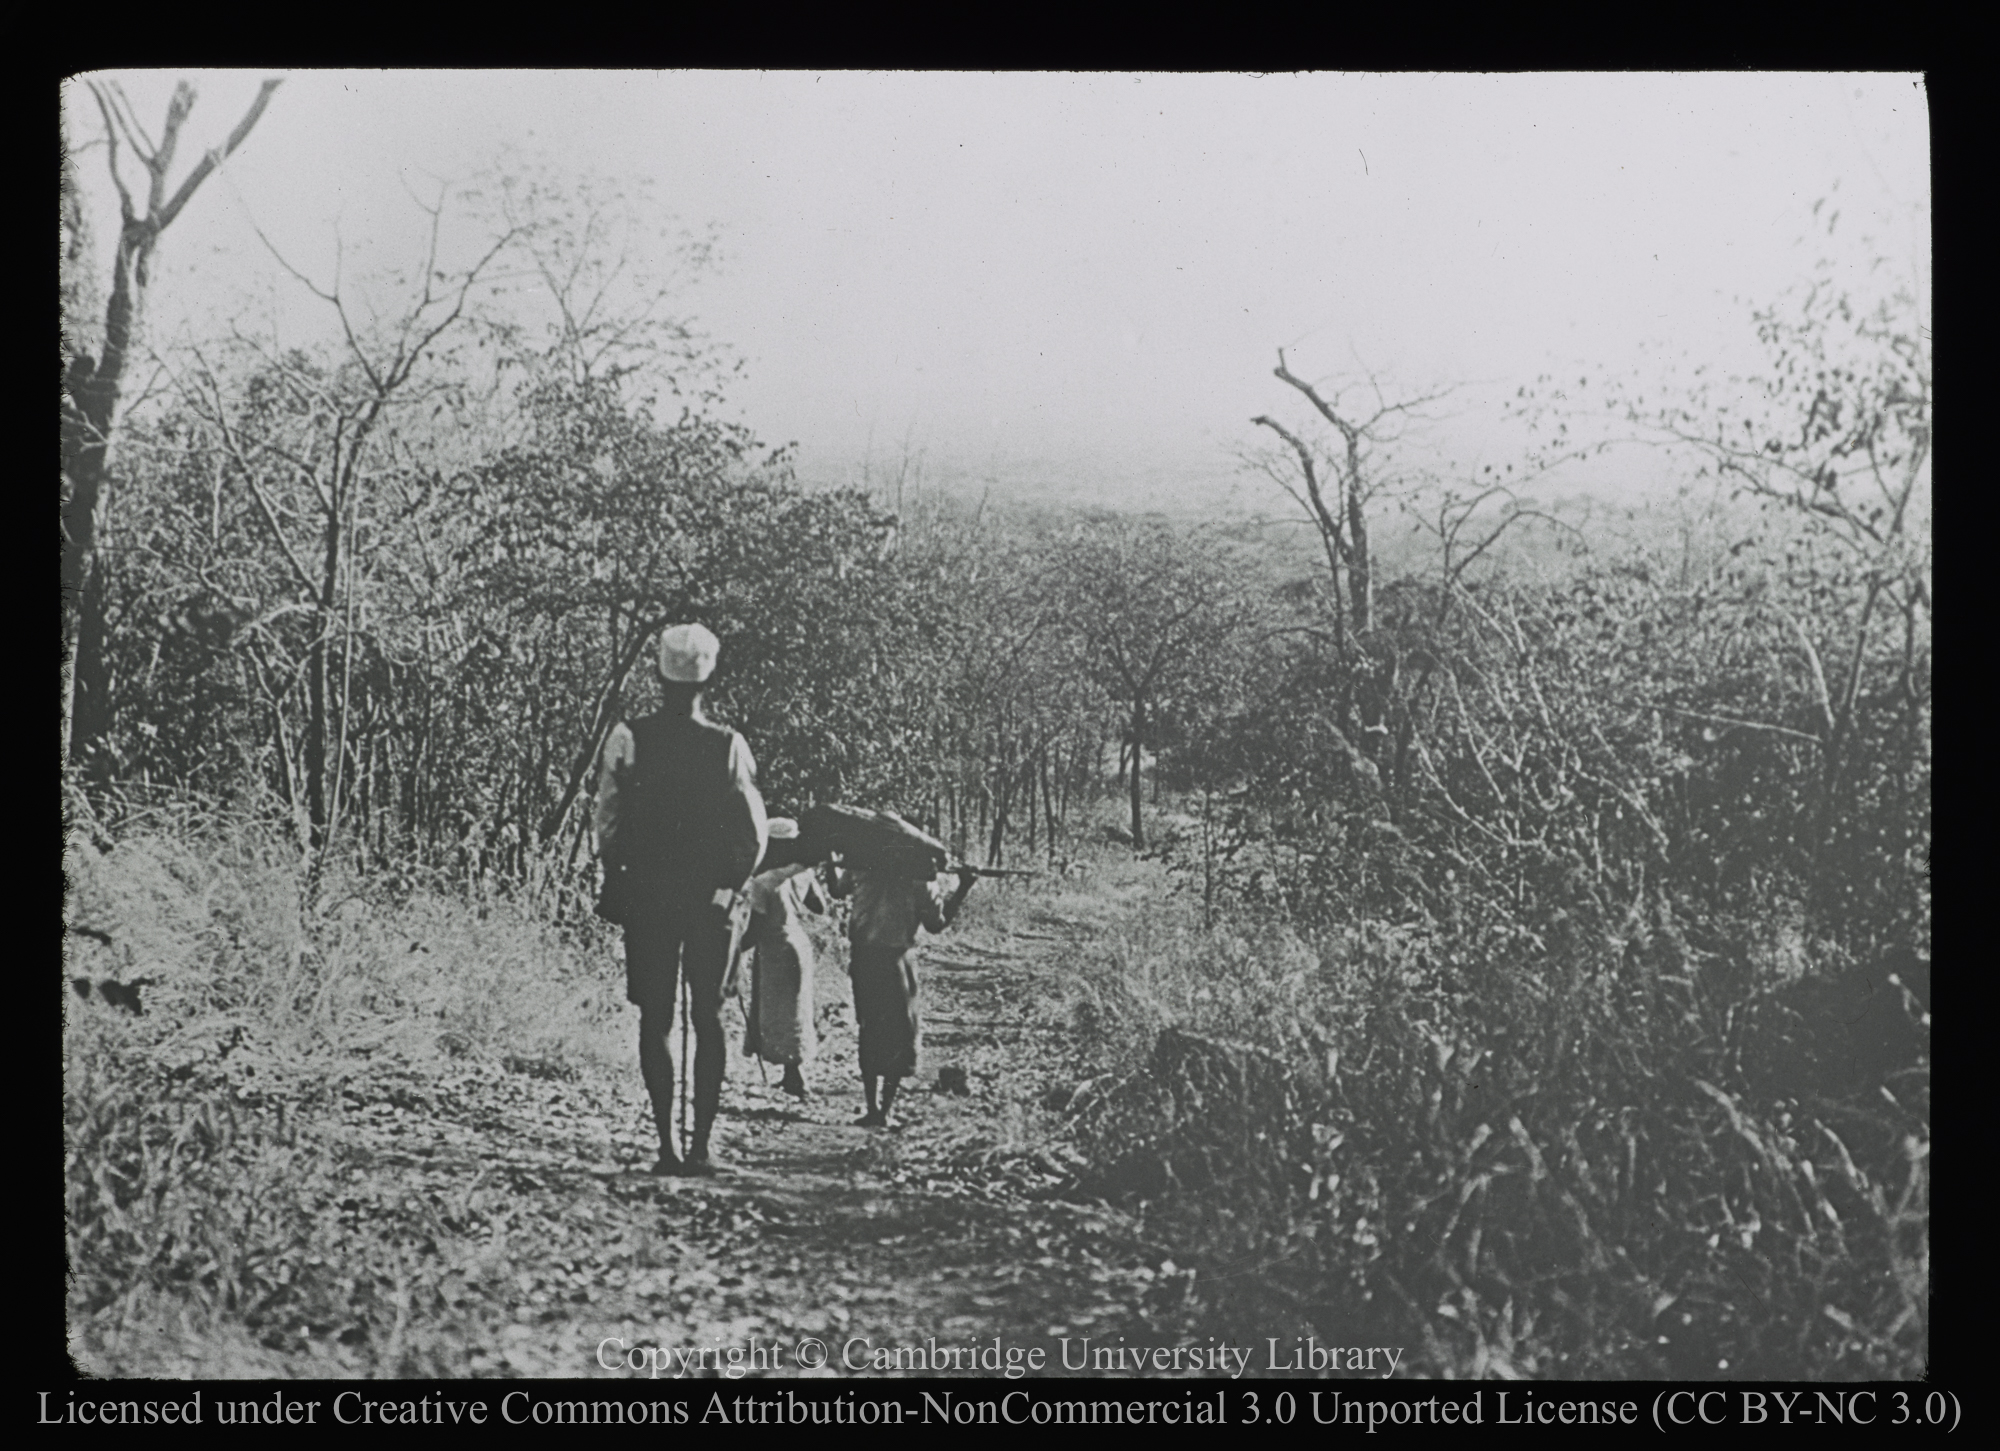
{"x":1085,"y":276}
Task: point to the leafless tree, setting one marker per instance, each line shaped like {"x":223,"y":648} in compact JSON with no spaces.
{"x":1356,"y":473}
{"x":310,"y":446}
{"x":94,"y":385}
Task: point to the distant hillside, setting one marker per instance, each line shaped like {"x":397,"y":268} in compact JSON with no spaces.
{"x":1195,"y":488}
{"x":1599,"y":510}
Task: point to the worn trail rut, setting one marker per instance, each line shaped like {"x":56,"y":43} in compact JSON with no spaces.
{"x":821,"y":1239}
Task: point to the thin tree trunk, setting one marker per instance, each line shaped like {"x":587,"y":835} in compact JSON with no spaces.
{"x":1069,"y":776}
{"x":1048,"y":802}
{"x":94,"y":386}
{"x":1207,"y":861}
{"x":1138,"y":753}
{"x":316,"y":673}
{"x":1326,"y":520}
{"x":602,"y":719}
{"x":997,"y":842}
{"x":1360,"y":569}
{"x":86,"y":437}
{"x":1029,"y":771}
{"x":364,"y":772}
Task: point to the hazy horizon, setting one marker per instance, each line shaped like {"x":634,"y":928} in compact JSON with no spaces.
{"x":1076,"y":284}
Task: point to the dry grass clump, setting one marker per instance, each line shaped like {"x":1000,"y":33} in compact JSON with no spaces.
{"x":1525,"y":1169}
{"x":200,"y":1158}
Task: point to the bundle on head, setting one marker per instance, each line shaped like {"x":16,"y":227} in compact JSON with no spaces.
{"x":870,"y":840}
{"x":789,"y":851}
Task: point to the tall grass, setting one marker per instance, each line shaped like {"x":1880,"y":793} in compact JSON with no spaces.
{"x":1565,"y":1011}
{"x":1669,"y":1164}
{"x":203,"y":1163}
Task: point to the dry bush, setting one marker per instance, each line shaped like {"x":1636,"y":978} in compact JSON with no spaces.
{"x":1614,"y":1049}
{"x":1524,"y":1172}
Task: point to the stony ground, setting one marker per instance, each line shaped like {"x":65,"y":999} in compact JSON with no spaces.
{"x":531,"y":1241}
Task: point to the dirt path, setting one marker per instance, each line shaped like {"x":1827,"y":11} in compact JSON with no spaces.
{"x":546,"y":1240}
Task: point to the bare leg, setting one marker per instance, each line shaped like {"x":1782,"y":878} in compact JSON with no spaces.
{"x":711,"y":1059}
{"x":703,"y":959}
{"x":656,"y":1065}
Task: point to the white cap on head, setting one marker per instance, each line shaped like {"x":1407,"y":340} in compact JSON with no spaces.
{"x":687,"y":653}
{"x":783,"y":828}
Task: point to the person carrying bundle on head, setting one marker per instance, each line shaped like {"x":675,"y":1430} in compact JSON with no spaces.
{"x":894,"y":892}
{"x":680,"y":827}
{"x":779,"y":1016}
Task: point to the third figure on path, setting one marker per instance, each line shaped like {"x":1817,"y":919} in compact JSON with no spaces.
{"x":890,"y":904}
{"x":778,"y":1019}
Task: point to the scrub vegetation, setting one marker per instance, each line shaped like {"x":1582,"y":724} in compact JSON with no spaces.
{"x":1483,"y":931}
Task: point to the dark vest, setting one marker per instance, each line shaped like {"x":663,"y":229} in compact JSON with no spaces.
{"x":675,"y":807}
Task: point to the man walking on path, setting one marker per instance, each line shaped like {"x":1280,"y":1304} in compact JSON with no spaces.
{"x":890,"y":903}
{"x":680,"y":827}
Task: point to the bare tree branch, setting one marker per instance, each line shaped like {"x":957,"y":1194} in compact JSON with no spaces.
{"x":214,"y":158}
{"x":1821,"y":696}
{"x":111,"y":144}
{"x":1329,"y":525}
{"x":163,"y":156}
{"x":135,"y":132}
{"x":1747,"y":725}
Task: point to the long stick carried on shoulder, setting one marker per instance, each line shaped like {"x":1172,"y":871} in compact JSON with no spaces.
{"x":964,"y":869}
{"x":919,"y":865}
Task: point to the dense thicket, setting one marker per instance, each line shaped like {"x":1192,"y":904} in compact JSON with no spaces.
{"x":1598,"y":1039}
{"x":397,"y":586}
